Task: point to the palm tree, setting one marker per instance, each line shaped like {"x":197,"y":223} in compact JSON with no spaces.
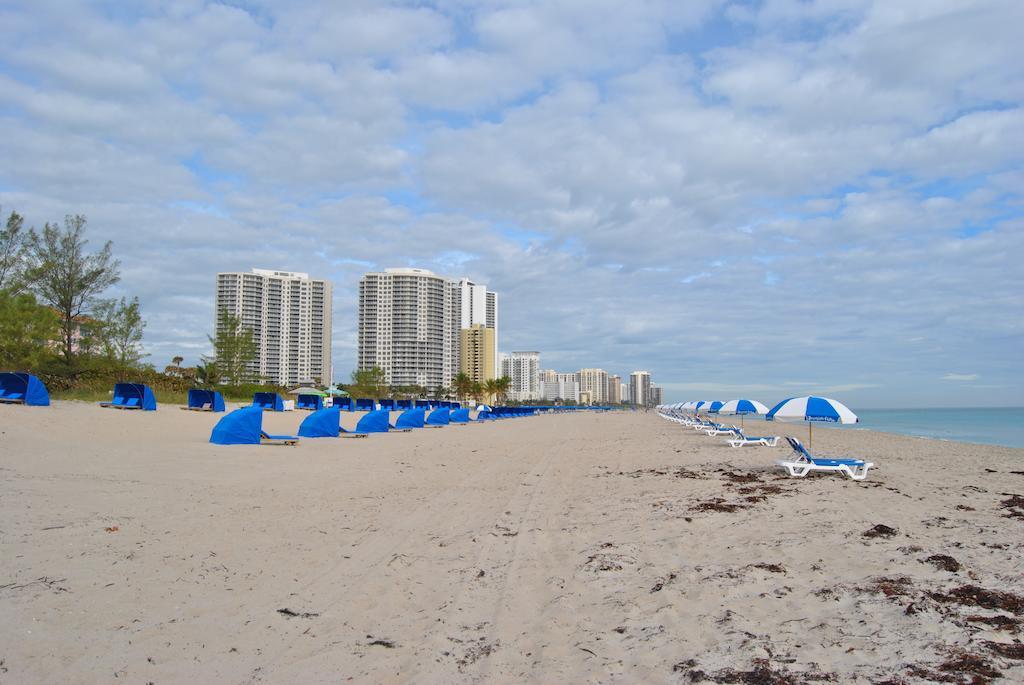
{"x":503,"y":385}
{"x":462,"y":385}
{"x":476,"y":390}
{"x":491,"y":388}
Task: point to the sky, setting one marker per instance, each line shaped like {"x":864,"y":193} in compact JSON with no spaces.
{"x":747,"y":199}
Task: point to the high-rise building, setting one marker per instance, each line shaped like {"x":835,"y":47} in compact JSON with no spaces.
{"x":524,"y":370}
{"x":614,"y":389}
{"x":657,"y":395}
{"x":472,"y":304}
{"x":640,"y":388}
{"x":406,"y":327}
{"x":594,"y":382}
{"x":476,"y":353}
{"x":560,"y":386}
{"x":289,"y":314}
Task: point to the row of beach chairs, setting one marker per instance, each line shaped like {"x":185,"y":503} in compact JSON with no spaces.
{"x":799,"y":465}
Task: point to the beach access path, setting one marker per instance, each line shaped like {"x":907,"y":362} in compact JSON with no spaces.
{"x":582,"y":547}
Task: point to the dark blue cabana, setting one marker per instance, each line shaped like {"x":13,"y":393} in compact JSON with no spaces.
{"x":423,"y":404}
{"x":388,"y":404}
{"x":455,"y":405}
{"x":459,"y":416}
{"x":23,"y":388}
{"x":376,"y":421}
{"x":402,"y":405}
{"x":485,"y":415}
{"x":439,"y":417}
{"x":309,"y":402}
{"x":323,"y":423}
{"x":344,"y":403}
{"x":269,"y":401}
{"x":410,"y":418}
{"x":245,"y":427}
{"x":365,"y":405}
{"x":132,"y":396}
{"x":205,"y":400}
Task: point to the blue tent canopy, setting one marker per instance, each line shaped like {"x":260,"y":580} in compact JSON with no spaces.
{"x":310,"y":402}
{"x":323,"y":423}
{"x":205,"y":400}
{"x":376,"y":421}
{"x":387,"y":403}
{"x":411,"y":418}
{"x":459,"y":416}
{"x":485,"y":415}
{"x":365,"y":405}
{"x":345,"y":403}
{"x":270,"y":401}
{"x":439,"y":417}
{"x":132,"y":396}
{"x":455,"y":405}
{"x":23,"y":388}
{"x":424,"y":404}
{"x":402,"y":405}
{"x":241,"y":427}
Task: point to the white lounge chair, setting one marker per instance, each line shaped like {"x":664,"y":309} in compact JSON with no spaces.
{"x":743,"y":440}
{"x":804,"y":462}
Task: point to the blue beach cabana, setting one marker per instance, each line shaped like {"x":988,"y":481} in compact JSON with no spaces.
{"x":388,"y":404}
{"x":323,"y":423}
{"x":423,"y":404}
{"x":245,"y":427}
{"x":204,"y":400}
{"x":269,"y":401}
{"x":309,"y":402}
{"x":376,"y":421}
{"x":459,"y":416}
{"x":439,"y":417}
{"x":410,"y":418}
{"x":402,"y":405}
{"x":344,"y":403}
{"x":23,"y":388}
{"x":132,"y":396}
{"x":363,"y":404}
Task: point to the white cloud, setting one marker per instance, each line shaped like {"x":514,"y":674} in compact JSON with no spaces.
{"x":960,"y":377}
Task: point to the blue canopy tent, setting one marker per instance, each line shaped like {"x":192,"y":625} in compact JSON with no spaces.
{"x":23,"y":388}
{"x":459,"y":416}
{"x":455,"y":405}
{"x":439,"y":417}
{"x":132,"y":396}
{"x":204,"y":400}
{"x":402,"y":405}
{"x":270,"y":401}
{"x":363,"y":404}
{"x":486,"y":415}
{"x":374,"y":422}
{"x":309,"y":402}
{"x":410,"y":418}
{"x":423,"y":404}
{"x":323,"y":423}
{"x":388,"y":404}
{"x":245,"y":427}
{"x":345,"y":403}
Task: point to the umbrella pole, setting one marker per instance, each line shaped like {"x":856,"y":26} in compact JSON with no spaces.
{"x":810,"y":434}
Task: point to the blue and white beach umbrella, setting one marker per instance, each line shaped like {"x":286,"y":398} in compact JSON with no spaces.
{"x":811,"y":409}
{"x":742,"y":408}
{"x":714,"y":406}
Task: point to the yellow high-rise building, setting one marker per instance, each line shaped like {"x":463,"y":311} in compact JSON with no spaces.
{"x":477,"y":353}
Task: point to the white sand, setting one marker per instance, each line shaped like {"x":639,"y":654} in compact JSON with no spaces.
{"x":553,"y":549}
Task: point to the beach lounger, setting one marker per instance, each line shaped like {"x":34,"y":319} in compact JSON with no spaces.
{"x":722,"y":430}
{"x":268,"y":439}
{"x":742,"y":440}
{"x":804,"y":462}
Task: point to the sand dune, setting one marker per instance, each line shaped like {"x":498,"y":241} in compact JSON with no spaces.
{"x":567,"y":548}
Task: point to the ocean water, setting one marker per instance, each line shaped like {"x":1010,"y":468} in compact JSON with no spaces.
{"x":994,"y":426}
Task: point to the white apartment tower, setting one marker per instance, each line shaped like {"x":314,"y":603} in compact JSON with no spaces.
{"x":473,"y":304}
{"x":640,"y":388}
{"x":524,"y":370}
{"x":289,"y":314}
{"x":405,"y":327}
{"x":594,"y":382}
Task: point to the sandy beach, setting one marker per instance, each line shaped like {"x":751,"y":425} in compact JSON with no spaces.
{"x":611,"y":548}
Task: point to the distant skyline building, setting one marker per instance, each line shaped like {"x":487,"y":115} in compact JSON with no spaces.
{"x":559,"y":386}
{"x":523,"y":368}
{"x":476,"y":353}
{"x":289,"y":314}
{"x":406,"y":327}
{"x":657,"y":396}
{"x":594,"y":382}
{"x":640,"y":388}
{"x":412,"y":323}
{"x":614,"y":389}
{"x":474,"y":304}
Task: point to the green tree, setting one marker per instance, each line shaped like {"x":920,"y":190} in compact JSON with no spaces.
{"x":504,"y":383}
{"x":120,"y":329}
{"x":462,"y":385}
{"x":491,"y":387}
{"x":476,"y":391}
{"x":207,"y":372}
{"x":26,"y":330}
{"x":234,"y":350}
{"x":368,"y":383}
{"x":13,"y":245}
{"x":66,"y":277}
